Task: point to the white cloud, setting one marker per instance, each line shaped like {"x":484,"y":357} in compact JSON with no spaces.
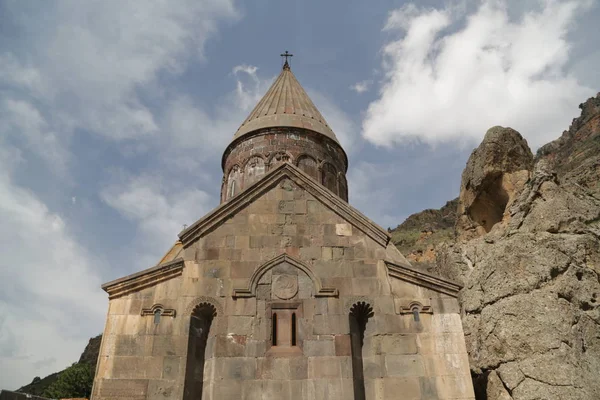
{"x":49,"y":286}
{"x":87,"y":67}
{"x":100,"y":67}
{"x":160,"y":209}
{"x":361,"y":87}
{"x":450,"y":76}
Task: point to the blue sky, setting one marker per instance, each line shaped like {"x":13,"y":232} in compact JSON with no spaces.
{"x":114,"y":116}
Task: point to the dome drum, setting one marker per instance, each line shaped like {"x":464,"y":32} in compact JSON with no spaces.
{"x":246,"y":161}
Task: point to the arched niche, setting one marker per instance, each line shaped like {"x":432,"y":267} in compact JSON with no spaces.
{"x":278,"y":158}
{"x":234,"y":179}
{"x":342,"y":186}
{"x":250,"y":290}
{"x":309,"y":165}
{"x":201,"y":320}
{"x":253,"y":170}
{"x":329,"y":177}
{"x":359,"y":315}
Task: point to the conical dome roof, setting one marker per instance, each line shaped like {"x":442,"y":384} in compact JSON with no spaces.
{"x":285,"y":104}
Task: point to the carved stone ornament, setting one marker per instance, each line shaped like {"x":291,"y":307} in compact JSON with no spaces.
{"x":285,"y":286}
{"x":164,"y":312}
{"x":422,"y":309}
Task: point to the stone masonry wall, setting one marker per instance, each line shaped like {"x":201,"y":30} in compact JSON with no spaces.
{"x":245,"y":162}
{"x":417,"y":360}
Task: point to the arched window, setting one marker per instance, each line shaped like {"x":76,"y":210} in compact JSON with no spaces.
{"x":309,"y":165}
{"x":200,"y":323}
{"x":415,"y":312}
{"x":274,"y":333}
{"x":293,"y":329}
{"x":157,"y":314}
{"x":342,"y":186}
{"x":254,"y":169}
{"x":233,"y":182}
{"x":232,"y":189}
{"x":358,"y":318}
{"x":329,"y":177}
{"x":284,"y":328}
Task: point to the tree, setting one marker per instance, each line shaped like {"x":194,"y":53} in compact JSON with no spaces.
{"x":75,"y":381}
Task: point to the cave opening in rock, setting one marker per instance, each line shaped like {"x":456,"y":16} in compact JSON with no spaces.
{"x":489,"y":205}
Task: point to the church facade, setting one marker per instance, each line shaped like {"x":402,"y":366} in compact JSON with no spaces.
{"x":284,"y":291}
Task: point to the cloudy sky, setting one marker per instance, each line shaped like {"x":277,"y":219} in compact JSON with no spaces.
{"x":114,"y":115}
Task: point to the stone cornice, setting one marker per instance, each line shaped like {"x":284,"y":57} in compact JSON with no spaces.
{"x":143,"y":279}
{"x":423,"y":279}
{"x":245,"y":198}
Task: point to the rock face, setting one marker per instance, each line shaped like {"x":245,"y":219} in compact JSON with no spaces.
{"x":496,"y":171}
{"x":89,"y":356}
{"x":575,"y":155}
{"x":527,"y":250}
{"x":418,"y":236}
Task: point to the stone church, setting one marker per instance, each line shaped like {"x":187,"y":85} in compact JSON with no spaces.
{"x":284,"y":291}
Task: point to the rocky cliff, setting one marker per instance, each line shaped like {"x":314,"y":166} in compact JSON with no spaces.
{"x":89,"y":356}
{"x":526,"y":247}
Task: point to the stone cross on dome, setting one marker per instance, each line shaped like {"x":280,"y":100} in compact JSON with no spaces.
{"x":286,"y":65}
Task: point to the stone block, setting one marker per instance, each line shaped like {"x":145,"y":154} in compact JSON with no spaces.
{"x":404,"y":365}
{"x":343,"y":345}
{"x":242,"y":242}
{"x":362,"y":270}
{"x":326,"y":253}
{"x":240,"y":306}
{"x":330,"y":324}
{"x":321,"y":347}
{"x":298,"y":368}
{"x":366,"y":286}
{"x":324,"y":367}
{"x":446,"y":364}
{"x":409,"y":387}
{"x":313,"y":206}
{"x":305,"y":287}
{"x":446,"y":323}
{"x":276,"y":389}
{"x":252,"y":390}
{"x":441,"y":343}
{"x":393,"y":343}
{"x":256,"y":348}
{"x":228,"y":346}
{"x":226,"y":389}
{"x":263,"y":292}
{"x":130,"y":389}
{"x":286,"y":206}
{"x":133,"y":345}
{"x":373,"y":367}
{"x":172,"y":367}
{"x":164,"y":389}
{"x":445,"y":305}
{"x":455,"y":386}
{"x":240,"y":325}
{"x":169,"y":345}
{"x":273,"y":368}
{"x":137,"y":367}
{"x":343,"y":229}
{"x":310,"y":253}
{"x":300,"y":206}
{"x":235,"y":368}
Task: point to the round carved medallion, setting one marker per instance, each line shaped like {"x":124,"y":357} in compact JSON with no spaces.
{"x":285,"y":286}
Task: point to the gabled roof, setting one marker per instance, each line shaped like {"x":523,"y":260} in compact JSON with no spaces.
{"x":324,"y":195}
{"x":422,"y":278}
{"x":285,"y":104}
{"x":143,"y":279}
